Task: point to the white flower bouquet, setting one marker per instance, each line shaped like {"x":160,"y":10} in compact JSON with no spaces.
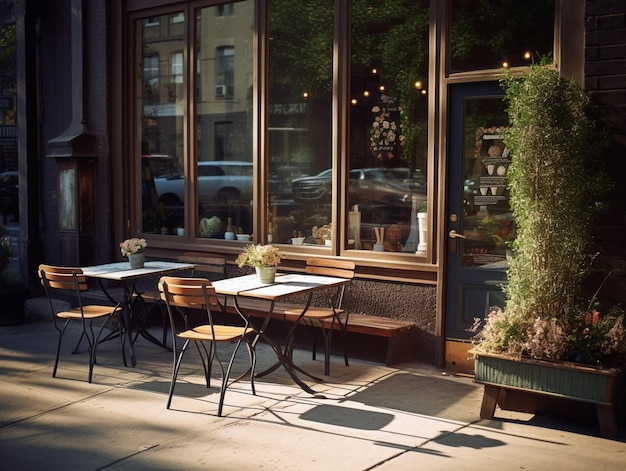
{"x":134,"y":245}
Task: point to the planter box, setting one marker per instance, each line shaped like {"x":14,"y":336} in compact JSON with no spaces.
{"x":537,"y":386}
{"x":13,"y":301}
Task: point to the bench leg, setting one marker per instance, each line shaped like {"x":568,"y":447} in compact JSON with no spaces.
{"x":490,"y":400}
{"x":607,"y":420}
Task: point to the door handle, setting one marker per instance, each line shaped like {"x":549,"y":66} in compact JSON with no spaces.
{"x":455,"y":235}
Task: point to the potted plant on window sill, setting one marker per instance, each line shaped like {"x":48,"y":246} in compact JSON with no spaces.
{"x":264,"y":258}
{"x":12,"y":291}
{"x":323,"y":234}
{"x":528,"y":352}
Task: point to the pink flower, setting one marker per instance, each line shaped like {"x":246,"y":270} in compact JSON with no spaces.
{"x":596,"y":318}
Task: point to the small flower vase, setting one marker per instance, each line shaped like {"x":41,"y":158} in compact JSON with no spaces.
{"x":266,"y":275}
{"x":137,"y":260}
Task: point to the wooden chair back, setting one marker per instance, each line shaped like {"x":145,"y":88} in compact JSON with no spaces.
{"x":63,"y":278}
{"x":192,"y":293}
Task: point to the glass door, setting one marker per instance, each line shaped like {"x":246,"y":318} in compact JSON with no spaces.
{"x":479,"y":220}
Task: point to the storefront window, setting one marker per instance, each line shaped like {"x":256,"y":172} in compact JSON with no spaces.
{"x":159,"y":122}
{"x":223,"y":139}
{"x":194,"y":80}
{"x":388,"y":125}
{"x":489,"y":34}
{"x":218,"y":162}
{"x":300,"y":135}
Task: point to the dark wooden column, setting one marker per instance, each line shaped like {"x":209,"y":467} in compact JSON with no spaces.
{"x":30,"y":243}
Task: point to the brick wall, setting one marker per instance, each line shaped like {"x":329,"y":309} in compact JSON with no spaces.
{"x":605,"y":77}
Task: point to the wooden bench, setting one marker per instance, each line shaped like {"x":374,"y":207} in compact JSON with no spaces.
{"x":206,"y":263}
{"x":397,"y":334}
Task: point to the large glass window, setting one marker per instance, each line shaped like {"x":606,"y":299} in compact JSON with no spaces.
{"x":159,"y":123}
{"x":223,"y":121}
{"x":489,"y":34}
{"x":195,"y":111}
{"x":207,"y":166}
{"x":388,"y":124}
{"x":300,"y":136}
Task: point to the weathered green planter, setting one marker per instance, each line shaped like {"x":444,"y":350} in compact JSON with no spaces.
{"x":524,"y":385}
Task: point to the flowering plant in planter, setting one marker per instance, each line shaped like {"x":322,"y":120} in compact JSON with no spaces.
{"x":132,"y":246}
{"x":588,"y":337}
{"x":259,"y":256}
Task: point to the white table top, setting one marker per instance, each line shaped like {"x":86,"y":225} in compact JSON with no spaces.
{"x":284,"y":285}
{"x":121,"y":271}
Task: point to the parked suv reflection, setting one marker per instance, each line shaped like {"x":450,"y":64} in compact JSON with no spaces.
{"x":368,"y":186}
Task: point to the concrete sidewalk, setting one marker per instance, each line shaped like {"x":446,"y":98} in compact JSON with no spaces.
{"x":404,"y":418}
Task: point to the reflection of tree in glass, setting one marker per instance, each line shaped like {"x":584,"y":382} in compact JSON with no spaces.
{"x":392,"y":37}
{"x":301,"y":44}
{"x":7,"y":57}
{"x":487,"y":32}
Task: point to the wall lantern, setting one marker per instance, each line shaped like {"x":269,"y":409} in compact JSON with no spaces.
{"x":74,"y":155}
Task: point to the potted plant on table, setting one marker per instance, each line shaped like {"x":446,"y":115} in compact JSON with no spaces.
{"x":555,"y":188}
{"x":264,"y":258}
{"x":134,"y":249}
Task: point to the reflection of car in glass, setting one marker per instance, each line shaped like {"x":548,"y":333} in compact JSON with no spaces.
{"x":218,"y":181}
{"x":281,"y":177}
{"x":386,"y":186}
{"x":313,"y":188}
{"x":9,"y":189}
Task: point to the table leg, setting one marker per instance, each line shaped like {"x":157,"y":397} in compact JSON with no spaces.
{"x":128,"y":341}
{"x":140,"y":322}
{"x":289,"y":341}
{"x":125,"y":318}
{"x":284,"y":358}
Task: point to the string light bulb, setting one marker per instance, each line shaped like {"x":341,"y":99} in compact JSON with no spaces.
{"x":505,"y":65}
{"x":305,"y":94}
{"x":527,"y":55}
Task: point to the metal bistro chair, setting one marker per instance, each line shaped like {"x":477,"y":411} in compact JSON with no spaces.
{"x":182,"y":295}
{"x":317,"y":316}
{"x":71,"y":280}
{"x":205,"y":265}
